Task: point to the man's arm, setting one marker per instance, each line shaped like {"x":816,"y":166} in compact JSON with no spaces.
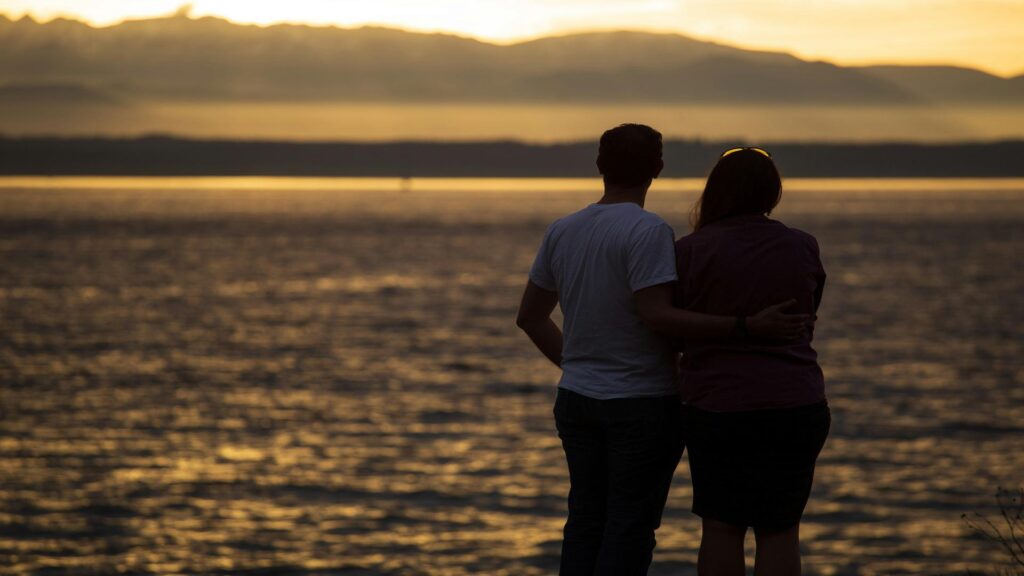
{"x":535,"y":319}
{"x":654,"y":306}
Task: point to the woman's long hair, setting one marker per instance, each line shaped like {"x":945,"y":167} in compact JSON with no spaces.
{"x":743,"y":182}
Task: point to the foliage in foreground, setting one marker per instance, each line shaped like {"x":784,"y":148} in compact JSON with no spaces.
{"x":1007,"y":531}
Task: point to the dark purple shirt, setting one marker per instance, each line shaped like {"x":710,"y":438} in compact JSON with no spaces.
{"x":737,"y":266}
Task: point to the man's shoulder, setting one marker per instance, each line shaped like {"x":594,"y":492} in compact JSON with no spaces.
{"x":638,"y":222}
{"x":647,"y":219}
{"x":570,"y":219}
{"x":624,"y":215}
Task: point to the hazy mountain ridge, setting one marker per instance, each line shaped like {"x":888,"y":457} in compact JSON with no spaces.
{"x":55,"y":93}
{"x":212,"y":59}
{"x":951,"y":83}
{"x":160,"y":156}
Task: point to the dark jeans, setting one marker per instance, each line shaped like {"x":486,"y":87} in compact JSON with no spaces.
{"x":621,"y":455}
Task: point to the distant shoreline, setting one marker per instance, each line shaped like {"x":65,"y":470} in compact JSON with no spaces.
{"x":171,"y":156}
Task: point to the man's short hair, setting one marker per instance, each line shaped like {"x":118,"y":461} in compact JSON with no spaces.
{"x":629,"y":155}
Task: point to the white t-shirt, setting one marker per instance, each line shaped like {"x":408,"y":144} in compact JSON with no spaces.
{"x":595,"y":260}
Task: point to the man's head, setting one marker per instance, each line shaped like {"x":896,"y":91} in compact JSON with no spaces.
{"x":630,"y":156}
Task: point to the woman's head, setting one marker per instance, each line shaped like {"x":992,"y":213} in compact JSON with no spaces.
{"x":744,"y":181}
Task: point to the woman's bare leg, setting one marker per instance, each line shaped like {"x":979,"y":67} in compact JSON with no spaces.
{"x":721,"y":549}
{"x":778,"y":552}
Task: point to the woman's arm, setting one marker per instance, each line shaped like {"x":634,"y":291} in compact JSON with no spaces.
{"x":654,"y":306}
{"x":819,"y":290}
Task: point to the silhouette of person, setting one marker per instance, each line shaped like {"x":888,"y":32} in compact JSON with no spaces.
{"x":611,"y":267}
{"x":755,"y":413}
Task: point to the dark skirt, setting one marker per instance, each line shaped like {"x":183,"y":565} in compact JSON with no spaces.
{"x":754,"y":468}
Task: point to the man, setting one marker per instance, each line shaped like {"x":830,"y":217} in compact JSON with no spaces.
{"x":611,"y":267}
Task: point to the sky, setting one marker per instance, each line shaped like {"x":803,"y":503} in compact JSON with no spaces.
{"x":985,"y":34}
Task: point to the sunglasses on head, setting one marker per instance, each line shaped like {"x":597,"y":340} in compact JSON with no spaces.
{"x":760,"y":151}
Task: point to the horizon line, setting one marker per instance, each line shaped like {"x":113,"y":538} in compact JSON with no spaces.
{"x":698,"y":140}
{"x":186,"y":13}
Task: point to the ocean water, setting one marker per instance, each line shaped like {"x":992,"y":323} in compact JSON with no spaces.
{"x":263,"y":376}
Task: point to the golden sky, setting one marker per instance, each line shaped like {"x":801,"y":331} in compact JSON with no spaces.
{"x":986,"y":34}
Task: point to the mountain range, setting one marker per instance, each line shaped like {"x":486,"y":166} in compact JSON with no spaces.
{"x":179,"y":58}
{"x":162,"y":156}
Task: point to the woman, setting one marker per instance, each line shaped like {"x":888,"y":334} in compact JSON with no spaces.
{"x":756,"y":414}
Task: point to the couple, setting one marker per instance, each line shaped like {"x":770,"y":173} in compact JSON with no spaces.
{"x":746,"y":396}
